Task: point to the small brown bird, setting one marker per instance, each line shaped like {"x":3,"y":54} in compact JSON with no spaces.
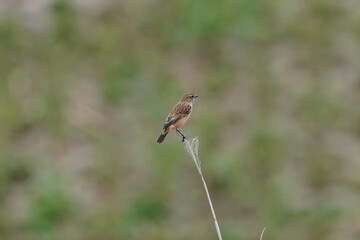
{"x":178,"y":116}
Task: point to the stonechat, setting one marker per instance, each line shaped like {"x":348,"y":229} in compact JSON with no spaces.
{"x":178,"y":116}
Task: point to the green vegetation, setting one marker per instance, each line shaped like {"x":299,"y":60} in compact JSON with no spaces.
{"x":84,"y":90}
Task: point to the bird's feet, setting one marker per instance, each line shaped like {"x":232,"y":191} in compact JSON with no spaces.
{"x":183,"y":136}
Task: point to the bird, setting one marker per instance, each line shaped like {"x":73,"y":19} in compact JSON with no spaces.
{"x":178,"y":116}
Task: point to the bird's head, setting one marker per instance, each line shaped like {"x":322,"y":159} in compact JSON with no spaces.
{"x":189,"y":97}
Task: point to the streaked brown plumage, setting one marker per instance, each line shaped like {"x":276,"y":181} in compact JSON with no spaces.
{"x":178,"y":115}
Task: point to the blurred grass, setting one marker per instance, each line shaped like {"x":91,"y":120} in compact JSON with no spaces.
{"x":84,"y":91}
{"x":50,"y":205}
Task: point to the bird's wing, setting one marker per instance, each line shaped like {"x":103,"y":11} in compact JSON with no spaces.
{"x":181,"y":108}
{"x":170,"y":120}
{"x":179,"y":111}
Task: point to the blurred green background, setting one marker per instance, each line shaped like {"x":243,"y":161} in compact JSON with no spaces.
{"x":85,"y":86}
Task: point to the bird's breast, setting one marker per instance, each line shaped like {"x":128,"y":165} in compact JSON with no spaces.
{"x":181,"y":121}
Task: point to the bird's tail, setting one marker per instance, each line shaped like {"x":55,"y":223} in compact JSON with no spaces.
{"x":162,"y":136}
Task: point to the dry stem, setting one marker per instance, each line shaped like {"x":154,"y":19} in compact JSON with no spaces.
{"x":192,"y":148}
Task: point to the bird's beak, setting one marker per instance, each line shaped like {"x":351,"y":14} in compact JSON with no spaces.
{"x":196,"y":96}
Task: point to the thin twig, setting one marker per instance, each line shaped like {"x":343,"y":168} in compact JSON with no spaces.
{"x":262,"y":233}
{"x":192,"y":148}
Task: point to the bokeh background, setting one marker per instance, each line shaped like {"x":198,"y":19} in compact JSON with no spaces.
{"x":85,"y":86}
